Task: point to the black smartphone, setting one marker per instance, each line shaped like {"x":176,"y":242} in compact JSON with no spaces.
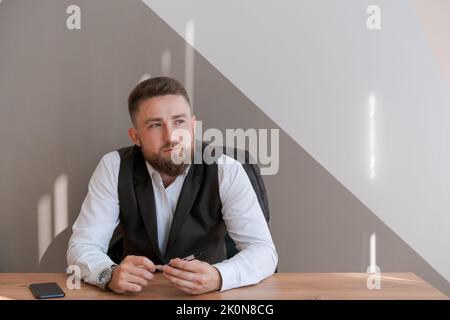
{"x":46,"y":290}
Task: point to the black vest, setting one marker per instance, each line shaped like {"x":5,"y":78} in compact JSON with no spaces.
{"x":197,"y":225}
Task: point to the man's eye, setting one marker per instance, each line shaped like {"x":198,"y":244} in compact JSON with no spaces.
{"x":155,"y":125}
{"x":179,"y":121}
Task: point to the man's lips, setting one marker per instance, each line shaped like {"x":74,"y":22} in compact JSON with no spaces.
{"x":170,"y":149}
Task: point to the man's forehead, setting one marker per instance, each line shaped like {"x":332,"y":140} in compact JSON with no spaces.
{"x":164,"y":106}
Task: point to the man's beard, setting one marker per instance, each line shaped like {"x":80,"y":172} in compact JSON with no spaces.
{"x":164,"y":164}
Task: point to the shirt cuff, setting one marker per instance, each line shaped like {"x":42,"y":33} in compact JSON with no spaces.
{"x":229,"y":274}
{"x":99,"y":267}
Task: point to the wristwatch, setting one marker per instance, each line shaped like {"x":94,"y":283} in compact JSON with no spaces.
{"x":104,"y":277}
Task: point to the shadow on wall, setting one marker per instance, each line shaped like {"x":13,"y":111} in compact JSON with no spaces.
{"x":54,"y":258}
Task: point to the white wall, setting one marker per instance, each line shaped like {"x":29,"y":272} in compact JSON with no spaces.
{"x":312,"y":66}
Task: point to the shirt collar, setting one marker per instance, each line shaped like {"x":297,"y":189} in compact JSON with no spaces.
{"x":153,"y":172}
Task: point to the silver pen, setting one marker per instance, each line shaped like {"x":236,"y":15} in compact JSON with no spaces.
{"x":188,"y":258}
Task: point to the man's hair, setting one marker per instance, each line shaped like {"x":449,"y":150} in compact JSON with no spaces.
{"x":154,"y":87}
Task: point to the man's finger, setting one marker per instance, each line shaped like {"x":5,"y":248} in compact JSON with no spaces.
{"x":187,"y":290}
{"x":142,"y":261}
{"x":182,"y":283}
{"x":140,"y":272}
{"x":132,"y":287}
{"x":182,"y":274}
{"x":137,"y":280}
{"x":193,"y":266}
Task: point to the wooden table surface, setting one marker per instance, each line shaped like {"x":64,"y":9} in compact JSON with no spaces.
{"x":297,"y":286}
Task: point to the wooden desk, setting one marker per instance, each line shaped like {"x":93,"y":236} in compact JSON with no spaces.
{"x":297,"y":286}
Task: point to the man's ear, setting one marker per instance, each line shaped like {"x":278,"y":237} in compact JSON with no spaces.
{"x":134,"y":136}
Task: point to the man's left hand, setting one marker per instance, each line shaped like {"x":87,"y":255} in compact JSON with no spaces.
{"x":193,"y":277}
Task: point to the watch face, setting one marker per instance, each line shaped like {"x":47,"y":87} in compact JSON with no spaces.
{"x":102,"y":276}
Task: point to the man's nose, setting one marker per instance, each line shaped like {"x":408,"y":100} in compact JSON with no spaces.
{"x":168,"y":134}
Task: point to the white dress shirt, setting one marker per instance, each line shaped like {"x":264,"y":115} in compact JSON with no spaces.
{"x":242,"y":214}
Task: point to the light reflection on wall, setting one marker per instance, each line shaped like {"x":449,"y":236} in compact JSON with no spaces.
{"x":44,"y":212}
{"x":60,"y":214}
{"x":144,"y":77}
{"x":372,"y":158}
{"x":60,"y":205}
{"x":166,"y":63}
{"x":373,"y":252}
{"x":189,"y":60}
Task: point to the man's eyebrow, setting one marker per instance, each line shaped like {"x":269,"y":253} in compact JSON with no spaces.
{"x":182,"y":115}
{"x":177,"y":116}
{"x":152,"y":119}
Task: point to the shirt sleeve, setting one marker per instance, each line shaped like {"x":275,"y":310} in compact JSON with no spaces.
{"x":98,"y":218}
{"x":257,"y":257}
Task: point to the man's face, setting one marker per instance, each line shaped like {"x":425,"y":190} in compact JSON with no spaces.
{"x":156,"y":131}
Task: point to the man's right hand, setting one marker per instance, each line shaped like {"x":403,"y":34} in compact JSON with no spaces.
{"x":132,"y":274}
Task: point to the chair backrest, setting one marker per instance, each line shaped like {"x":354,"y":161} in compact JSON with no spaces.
{"x":115,"y":249}
{"x":254,"y":174}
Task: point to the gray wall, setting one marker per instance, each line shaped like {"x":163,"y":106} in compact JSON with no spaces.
{"x":306,"y":68}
